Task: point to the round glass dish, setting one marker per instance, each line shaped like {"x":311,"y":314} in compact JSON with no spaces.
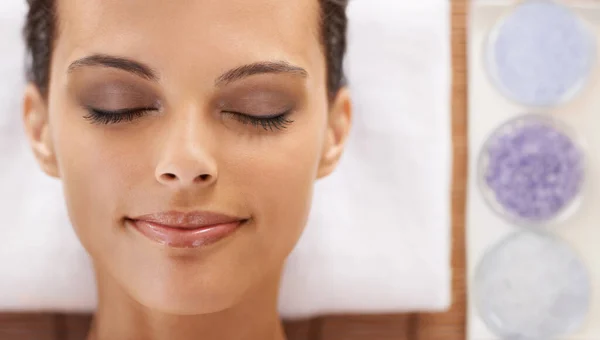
{"x":531,"y":171}
{"x":540,"y":54}
{"x":532,"y":286}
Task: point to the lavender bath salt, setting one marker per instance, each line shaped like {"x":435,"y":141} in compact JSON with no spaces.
{"x":531,"y":170}
{"x":540,"y":54}
{"x":531,"y":287}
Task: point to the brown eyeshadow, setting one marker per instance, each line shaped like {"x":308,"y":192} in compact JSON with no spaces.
{"x":110,"y":92}
{"x":261,"y":96}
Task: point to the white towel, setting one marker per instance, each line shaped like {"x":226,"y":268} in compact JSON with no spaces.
{"x":378,"y":239}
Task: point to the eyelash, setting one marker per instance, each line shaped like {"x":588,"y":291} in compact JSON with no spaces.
{"x":97,"y":116}
{"x":268,"y":123}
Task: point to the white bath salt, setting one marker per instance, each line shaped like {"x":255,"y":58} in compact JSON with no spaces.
{"x":531,"y":287}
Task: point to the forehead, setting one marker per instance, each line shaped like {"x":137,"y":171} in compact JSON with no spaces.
{"x":188,"y":32}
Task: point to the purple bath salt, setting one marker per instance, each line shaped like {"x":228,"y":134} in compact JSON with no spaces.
{"x":532,"y":169}
{"x":540,"y":54}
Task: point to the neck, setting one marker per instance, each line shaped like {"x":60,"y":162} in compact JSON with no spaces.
{"x":118,"y":316}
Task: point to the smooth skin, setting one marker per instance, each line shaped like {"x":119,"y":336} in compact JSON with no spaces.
{"x":187,"y":63}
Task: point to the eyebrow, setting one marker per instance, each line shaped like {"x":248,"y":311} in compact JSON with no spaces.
{"x":262,"y":67}
{"x":124,"y":64}
{"x":146,"y":72}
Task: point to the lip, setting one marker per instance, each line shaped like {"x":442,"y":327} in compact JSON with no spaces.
{"x":186,"y":230}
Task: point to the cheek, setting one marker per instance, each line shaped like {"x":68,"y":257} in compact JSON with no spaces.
{"x":277,"y":179}
{"x":98,"y":171}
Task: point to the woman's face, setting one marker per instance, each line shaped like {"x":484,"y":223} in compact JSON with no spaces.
{"x":167,"y":106}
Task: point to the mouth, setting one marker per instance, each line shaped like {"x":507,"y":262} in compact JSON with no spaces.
{"x":186,"y":230}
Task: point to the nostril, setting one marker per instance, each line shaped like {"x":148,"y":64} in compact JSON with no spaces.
{"x":169,"y":177}
{"x":204,"y":177}
{"x":172,"y":178}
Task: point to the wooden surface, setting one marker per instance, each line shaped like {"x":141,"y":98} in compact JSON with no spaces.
{"x":444,"y":326}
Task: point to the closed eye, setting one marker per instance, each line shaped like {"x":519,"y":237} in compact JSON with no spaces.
{"x":278,"y":121}
{"x":268,"y":123}
{"x":105,"y":117}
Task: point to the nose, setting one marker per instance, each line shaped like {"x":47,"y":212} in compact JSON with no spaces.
{"x":186,"y":159}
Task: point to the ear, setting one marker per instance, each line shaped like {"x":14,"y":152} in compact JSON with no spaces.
{"x":338,"y":129}
{"x":37,"y":129}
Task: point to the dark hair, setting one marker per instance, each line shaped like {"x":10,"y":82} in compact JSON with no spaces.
{"x":41,"y":26}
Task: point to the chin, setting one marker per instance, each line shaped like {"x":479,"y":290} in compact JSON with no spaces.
{"x":188,"y":300}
